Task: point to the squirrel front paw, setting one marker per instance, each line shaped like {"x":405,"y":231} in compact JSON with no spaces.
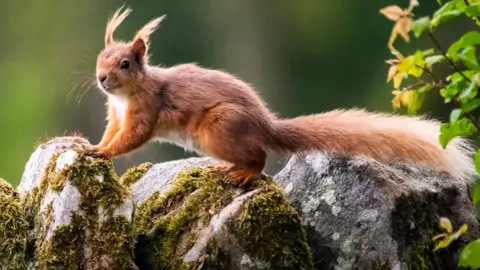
{"x":95,"y":151}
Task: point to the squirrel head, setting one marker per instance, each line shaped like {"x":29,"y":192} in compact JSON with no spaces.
{"x":121,"y":65}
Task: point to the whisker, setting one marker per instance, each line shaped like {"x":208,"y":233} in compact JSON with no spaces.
{"x":69,"y":95}
{"x":92,"y":84}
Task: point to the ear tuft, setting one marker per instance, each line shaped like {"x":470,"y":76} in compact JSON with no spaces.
{"x":139,"y":48}
{"x":114,"y":22}
{"x":148,"y":29}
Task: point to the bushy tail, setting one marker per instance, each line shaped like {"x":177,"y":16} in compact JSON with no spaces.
{"x":386,"y":138}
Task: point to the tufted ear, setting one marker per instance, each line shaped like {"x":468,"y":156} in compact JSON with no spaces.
{"x":141,"y":39}
{"x":114,"y":22}
{"x":139,"y":48}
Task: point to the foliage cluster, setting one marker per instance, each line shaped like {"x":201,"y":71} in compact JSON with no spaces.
{"x":415,"y":76}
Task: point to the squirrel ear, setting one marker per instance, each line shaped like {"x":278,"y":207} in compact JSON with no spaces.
{"x":139,"y":48}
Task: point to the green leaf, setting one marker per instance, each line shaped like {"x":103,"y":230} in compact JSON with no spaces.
{"x":449,"y":6}
{"x":469,"y":57}
{"x":457,"y":77}
{"x":473,"y":10}
{"x":420,"y":25}
{"x":471,"y":38}
{"x":461,"y":5}
{"x":430,"y":61}
{"x":428,"y":52}
{"x":476,"y":191}
{"x":472,"y":90}
{"x":471,"y":105}
{"x":445,"y":13}
{"x":444,"y":18}
{"x":455,"y":114}
{"x":450,"y":92}
{"x":425,"y":88}
{"x":439,"y":2}
{"x":470,"y":256}
{"x":462,"y":127}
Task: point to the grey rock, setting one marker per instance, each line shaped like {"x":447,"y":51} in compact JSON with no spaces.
{"x":159,"y":177}
{"x":360,"y":214}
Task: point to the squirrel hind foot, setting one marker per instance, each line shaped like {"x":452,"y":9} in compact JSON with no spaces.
{"x":234,"y":175}
{"x":242,"y":177}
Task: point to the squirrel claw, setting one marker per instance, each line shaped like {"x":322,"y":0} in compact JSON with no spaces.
{"x":95,"y":152}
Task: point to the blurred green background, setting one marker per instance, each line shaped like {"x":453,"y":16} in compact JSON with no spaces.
{"x":303,"y":56}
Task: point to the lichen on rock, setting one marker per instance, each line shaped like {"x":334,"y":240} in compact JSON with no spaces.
{"x":13,"y":229}
{"x":186,"y":226}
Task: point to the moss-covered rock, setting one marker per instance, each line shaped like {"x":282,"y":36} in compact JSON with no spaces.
{"x":134,"y":174}
{"x":200,"y":222}
{"x":13,"y":229}
{"x":81,"y":213}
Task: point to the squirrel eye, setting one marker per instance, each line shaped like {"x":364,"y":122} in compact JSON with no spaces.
{"x":125,"y":64}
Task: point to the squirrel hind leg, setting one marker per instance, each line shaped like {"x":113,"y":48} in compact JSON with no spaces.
{"x":226,"y":134}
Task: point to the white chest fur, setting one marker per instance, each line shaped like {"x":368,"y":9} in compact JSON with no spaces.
{"x":120,"y":104}
{"x":180,"y":140}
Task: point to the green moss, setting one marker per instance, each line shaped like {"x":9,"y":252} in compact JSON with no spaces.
{"x":63,"y":250}
{"x":167,"y":224}
{"x":13,"y":229}
{"x":134,"y":174}
{"x":109,"y":236}
{"x":167,"y":220}
{"x":262,"y":226}
{"x":417,"y":257}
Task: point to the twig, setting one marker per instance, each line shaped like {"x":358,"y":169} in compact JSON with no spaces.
{"x":435,"y":79}
{"x":439,"y":47}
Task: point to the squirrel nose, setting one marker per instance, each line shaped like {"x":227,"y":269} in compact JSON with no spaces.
{"x":102,"y":78}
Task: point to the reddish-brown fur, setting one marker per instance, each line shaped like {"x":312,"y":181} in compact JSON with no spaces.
{"x":219,"y":115}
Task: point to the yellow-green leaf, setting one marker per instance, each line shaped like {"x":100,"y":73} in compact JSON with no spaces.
{"x":397,"y":79}
{"x":446,"y":224}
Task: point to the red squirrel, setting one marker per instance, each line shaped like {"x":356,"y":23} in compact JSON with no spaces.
{"x":218,"y":115}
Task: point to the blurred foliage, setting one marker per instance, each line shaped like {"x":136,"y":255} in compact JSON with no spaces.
{"x":458,"y":86}
{"x":302,"y":56}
